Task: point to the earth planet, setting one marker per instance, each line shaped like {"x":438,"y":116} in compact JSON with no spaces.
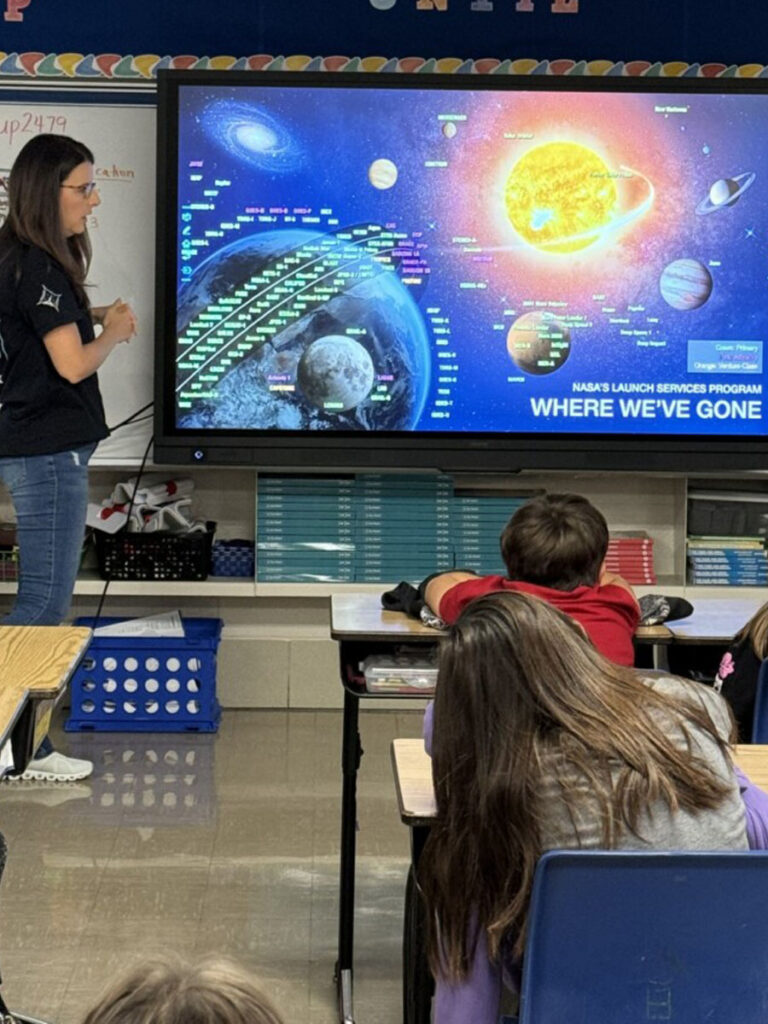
{"x":375,"y":305}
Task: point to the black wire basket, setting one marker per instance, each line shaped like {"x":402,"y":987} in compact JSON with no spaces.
{"x":155,"y":556}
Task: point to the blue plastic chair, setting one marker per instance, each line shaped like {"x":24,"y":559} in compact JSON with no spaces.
{"x":619,"y":938}
{"x":760,"y":720}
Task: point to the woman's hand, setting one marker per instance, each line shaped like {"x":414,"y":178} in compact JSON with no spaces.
{"x":120,"y":320}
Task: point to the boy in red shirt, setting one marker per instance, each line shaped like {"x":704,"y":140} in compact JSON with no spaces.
{"x":554,"y":548}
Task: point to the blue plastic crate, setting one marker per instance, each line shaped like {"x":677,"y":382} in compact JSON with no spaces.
{"x":232,"y":558}
{"x":147,"y":684}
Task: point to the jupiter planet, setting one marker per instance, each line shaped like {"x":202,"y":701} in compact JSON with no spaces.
{"x":685,"y":284}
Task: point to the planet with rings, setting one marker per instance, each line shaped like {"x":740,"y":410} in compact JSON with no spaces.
{"x":725,"y":192}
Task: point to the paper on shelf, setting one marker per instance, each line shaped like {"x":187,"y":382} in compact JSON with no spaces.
{"x":166,"y":624}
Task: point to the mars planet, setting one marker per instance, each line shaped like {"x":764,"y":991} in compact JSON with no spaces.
{"x":538,"y":342}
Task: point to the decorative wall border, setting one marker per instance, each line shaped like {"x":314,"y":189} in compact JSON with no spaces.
{"x":112,"y":66}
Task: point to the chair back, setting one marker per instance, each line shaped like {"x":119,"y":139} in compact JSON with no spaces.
{"x":628,"y":938}
{"x":760,"y":719}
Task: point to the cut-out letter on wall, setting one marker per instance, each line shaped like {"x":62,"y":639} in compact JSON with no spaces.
{"x":431,"y":5}
{"x":14,"y":9}
{"x":481,"y":5}
{"x":565,"y":6}
{"x":524,"y":5}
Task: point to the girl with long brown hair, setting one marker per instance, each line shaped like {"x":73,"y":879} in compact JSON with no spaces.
{"x":541,"y":743}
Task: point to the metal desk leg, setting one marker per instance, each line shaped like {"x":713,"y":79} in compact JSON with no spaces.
{"x":661,"y":657}
{"x":417,"y":980}
{"x":351,"y":753}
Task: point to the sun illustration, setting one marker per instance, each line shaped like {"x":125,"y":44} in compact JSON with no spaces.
{"x":561,"y":197}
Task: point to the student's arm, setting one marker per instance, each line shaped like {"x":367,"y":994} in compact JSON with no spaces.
{"x":75,"y":361}
{"x":439,"y":586}
{"x":756,"y":811}
{"x":474,"y":999}
{"x":614,"y":580}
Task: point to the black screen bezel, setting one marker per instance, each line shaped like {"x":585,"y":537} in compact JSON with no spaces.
{"x":446,"y":451}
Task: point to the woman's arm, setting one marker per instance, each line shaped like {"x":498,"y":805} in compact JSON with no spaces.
{"x":75,"y":361}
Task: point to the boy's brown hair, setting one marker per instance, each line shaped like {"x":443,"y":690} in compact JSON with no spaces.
{"x":557,"y":541}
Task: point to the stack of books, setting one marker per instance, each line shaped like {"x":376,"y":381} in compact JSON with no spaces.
{"x":403,"y":526}
{"x":630,"y":555}
{"x":727,"y":561}
{"x":305,"y":529}
{"x":479,"y":516}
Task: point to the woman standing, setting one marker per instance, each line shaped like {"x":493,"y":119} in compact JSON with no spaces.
{"x":51,"y":416}
{"x":541,"y":743}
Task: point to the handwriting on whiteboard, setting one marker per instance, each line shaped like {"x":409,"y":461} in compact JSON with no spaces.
{"x":31,"y":122}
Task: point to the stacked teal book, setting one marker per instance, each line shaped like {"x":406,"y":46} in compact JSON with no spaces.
{"x":403,"y":526}
{"x":305,"y":529}
{"x":375,"y":528}
{"x":478,"y":520}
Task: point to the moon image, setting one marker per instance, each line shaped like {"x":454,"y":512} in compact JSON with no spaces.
{"x":562,"y":196}
{"x":335,"y":373}
{"x":538,"y":342}
{"x":383,"y":5}
{"x":252,"y":135}
{"x":685,"y":284}
{"x":725,"y":192}
{"x":382,"y":174}
{"x":449,"y":129}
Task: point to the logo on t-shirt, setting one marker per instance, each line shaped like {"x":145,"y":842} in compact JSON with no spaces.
{"x":49,"y":298}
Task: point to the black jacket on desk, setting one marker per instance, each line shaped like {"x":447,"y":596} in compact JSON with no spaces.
{"x":41,"y":412}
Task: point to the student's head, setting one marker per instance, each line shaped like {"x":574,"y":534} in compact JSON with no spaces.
{"x":50,"y":197}
{"x":528,"y":716}
{"x":214,"y":991}
{"x":556,"y":540}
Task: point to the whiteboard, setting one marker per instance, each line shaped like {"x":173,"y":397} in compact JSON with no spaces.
{"x":122,"y":231}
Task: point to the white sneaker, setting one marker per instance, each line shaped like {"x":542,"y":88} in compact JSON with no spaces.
{"x":55,"y":767}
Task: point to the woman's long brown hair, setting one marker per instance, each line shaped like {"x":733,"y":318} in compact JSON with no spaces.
{"x":33,"y":205}
{"x":518,"y":681}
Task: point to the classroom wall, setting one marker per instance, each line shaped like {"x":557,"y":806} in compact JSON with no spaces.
{"x":691,"y":31}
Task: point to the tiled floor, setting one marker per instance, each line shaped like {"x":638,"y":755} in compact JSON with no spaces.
{"x":196,"y":844}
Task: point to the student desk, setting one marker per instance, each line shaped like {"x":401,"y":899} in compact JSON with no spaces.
{"x":714,"y":620}
{"x":36,"y":663}
{"x":361,"y":627}
{"x":412,"y":769}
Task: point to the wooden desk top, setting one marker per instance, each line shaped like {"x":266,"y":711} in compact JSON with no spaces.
{"x":714,"y":620}
{"x":361,"y":617}
{"x":35,"y":661}
{"x":416,"y":798}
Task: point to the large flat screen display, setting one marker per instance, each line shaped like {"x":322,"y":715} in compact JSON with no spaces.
{"x":462,"y":272}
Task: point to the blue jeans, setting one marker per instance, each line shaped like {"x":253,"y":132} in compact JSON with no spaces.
{"x":50,"y":497}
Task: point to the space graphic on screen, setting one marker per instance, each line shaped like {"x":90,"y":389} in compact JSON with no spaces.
{"x":448,"y":260}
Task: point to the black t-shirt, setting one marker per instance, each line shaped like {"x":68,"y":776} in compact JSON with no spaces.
{"x":41,"y":412}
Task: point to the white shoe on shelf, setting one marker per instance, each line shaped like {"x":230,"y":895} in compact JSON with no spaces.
{"x":55,"y":767}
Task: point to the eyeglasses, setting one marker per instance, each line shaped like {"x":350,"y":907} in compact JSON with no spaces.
{"x":86,"y":190}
